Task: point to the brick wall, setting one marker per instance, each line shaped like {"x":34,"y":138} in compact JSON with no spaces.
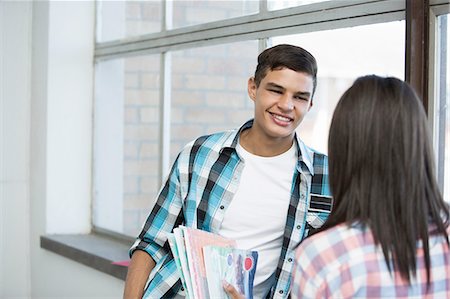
{"x":141,"y":138}
{"x":193,"y":12}
{"x":209,"y":92}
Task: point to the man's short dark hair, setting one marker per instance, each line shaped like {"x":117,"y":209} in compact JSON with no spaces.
{"x":286,"y":56}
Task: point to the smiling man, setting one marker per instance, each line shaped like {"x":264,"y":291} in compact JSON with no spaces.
{"x":259,"y":184}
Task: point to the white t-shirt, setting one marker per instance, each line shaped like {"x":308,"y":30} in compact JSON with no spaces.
{"x":256,"y":217}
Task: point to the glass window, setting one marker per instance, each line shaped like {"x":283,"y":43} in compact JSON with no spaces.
{"x":209,"y":90}
{"x":342,"y":56}
{"x":280,"y":4}
{"x":442,"y":111}
{"x":194,"y":12}
{"x":122,"y":19}
{"x":126,"y":142}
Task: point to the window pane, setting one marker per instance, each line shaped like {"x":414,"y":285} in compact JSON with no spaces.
{"x":280,"y":4}
{"x":193,"y":12}
{"x":126,"y":142}
{"x":343,"y":55}
{"x":442,"y":111}
{"x":122,"y":19}
{"x":209,"y":90}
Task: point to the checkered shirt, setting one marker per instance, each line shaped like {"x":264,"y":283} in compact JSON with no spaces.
{"x":200,"y":187}
{"x":343,"y":262}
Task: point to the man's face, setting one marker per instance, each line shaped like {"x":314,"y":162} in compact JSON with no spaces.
{"x":282,"y":99}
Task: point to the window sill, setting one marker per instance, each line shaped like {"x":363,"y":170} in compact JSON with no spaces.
{"x":94,"y":250}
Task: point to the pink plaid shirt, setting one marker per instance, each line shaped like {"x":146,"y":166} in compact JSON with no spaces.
{"x":343,"y":262}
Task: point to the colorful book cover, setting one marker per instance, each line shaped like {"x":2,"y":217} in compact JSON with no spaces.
{"x":236,"y":266}
{"x":182,"y":255}
{"x":195,"y":240}
{"x":176,"y":257}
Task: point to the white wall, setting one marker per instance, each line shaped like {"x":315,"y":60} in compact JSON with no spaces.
{"x":15,"y":146}
{"x":46,"y":75}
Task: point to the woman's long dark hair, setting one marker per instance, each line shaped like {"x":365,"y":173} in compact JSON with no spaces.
{"x":382,"y":170}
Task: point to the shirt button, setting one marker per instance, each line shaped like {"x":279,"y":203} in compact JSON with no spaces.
{"x":280,"y":291}
{"x":289,"y":260}
{"x":299,"y":226}
{"x":302,"y":196}
{"x":182,"y":288}
{"x":222,"y":207}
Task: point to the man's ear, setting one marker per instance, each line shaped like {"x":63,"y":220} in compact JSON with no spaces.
{"x":251,"y":88}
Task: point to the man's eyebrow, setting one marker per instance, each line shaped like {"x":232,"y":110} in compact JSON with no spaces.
{"x":274,"y":85}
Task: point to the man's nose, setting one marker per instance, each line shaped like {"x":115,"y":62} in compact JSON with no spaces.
{"x":286,"y":103}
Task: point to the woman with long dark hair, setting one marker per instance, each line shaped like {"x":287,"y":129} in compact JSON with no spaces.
{"x":387,"y":235}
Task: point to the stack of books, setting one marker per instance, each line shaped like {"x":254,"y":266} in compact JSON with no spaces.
{"x":204,"y":260}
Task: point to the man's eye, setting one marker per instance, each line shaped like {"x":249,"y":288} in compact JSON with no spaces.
{"x":275,"y":91}
{"x":299,"y":98}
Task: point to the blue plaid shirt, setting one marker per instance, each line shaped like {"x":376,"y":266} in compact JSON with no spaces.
{"x":200,"y":187}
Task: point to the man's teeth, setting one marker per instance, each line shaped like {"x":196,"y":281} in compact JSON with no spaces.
{"x":282,"y":118}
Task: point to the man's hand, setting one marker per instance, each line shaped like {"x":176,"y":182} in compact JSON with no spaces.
{"x":231,"y":291}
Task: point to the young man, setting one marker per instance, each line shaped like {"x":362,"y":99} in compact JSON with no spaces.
{"x":260,"y":185}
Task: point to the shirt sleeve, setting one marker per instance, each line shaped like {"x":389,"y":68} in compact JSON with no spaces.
{"x":166,"y":213}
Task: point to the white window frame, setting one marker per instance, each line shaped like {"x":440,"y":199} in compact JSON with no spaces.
{"x":437,"y":123}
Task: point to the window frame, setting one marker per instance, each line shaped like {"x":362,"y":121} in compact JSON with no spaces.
{"x":436,"y":9}
{"x":300,"y":19}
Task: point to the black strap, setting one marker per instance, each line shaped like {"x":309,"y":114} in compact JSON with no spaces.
{"x":318,"y":177}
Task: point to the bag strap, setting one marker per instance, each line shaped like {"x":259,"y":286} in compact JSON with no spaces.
{"x":318,"y":178}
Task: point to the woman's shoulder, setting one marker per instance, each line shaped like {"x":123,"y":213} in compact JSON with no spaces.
{"x":338,"y":232}
{"x":335,"y":242}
